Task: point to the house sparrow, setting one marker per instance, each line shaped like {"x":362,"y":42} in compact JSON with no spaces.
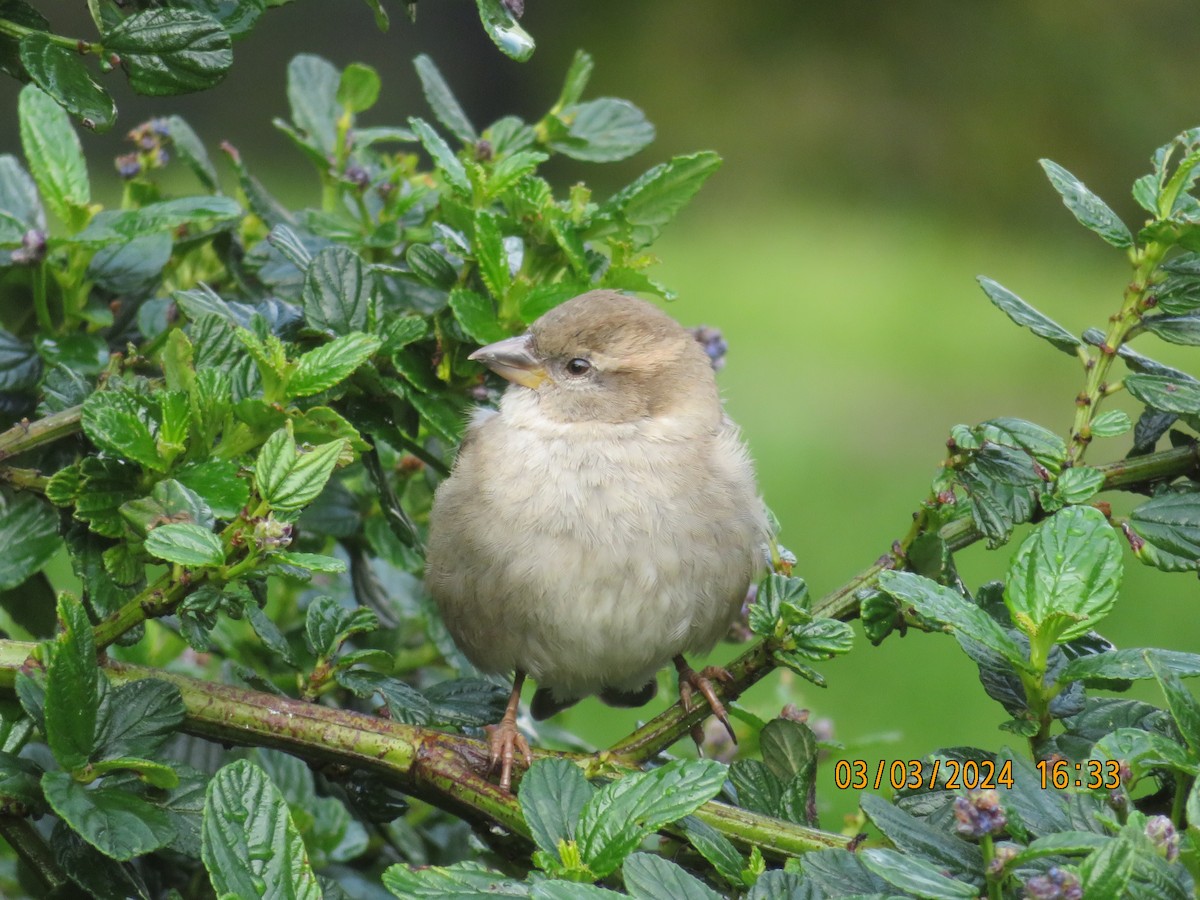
{"x":603,"y":521}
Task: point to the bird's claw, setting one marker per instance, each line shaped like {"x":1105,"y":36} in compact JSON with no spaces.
{"x":505,"y":741}
{"x":690,"y":680}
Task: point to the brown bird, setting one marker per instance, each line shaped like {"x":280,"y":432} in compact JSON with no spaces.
{"x":603,"y":521}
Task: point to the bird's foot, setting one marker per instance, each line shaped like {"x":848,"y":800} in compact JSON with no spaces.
{"x":505,"y":742}
{"x":690,"y":680}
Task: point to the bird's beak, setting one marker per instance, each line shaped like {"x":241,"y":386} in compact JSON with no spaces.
{"x":513,"y":358}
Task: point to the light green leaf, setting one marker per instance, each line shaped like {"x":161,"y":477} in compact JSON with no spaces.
{"x":443,"y":157}
{"x":196,"y":213}
{"x":1065,"y":575}
{"x":578,"y":75}
{"x":185,"y":544}
{"x":118,"y":823}
{"x":120,"y":423}
{"x":1078,"y":484}
{"x":72,"y":682}
{"x":650,"y":877}
{"x":289,"y":479}
{"x":55,"y":157}
{"x":312,"y":85}
{"x":442,"y":101}
{"x":552,"y":796}
{"x":358,"y":88}
{"x":653,"y":200}
{"x":1175,"y":329}
{"x":914,"y":875}
{"x":1166,"y":393}
{"x":501,"y":26}
{"x":1111,"y":424}
{"x":1092,"y":212}
{"x":328,"y":624}
{"x":1170,"y":526}
{"x":331,"y":363}
{"x":603,"y":130}
{"x":250,"y":845}
{"x":477,"y":315}
{"x":490,"y":253}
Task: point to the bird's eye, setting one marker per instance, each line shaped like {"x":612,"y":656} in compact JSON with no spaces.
{"x":578,"y":366}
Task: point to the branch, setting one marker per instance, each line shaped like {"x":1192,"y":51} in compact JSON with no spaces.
{"x":26,"y":435}
{"x":440,"y":768}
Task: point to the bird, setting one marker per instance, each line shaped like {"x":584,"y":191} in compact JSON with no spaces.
{"x":602,"y":521}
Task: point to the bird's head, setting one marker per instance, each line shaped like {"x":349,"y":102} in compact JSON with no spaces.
{"x":607,"y":357}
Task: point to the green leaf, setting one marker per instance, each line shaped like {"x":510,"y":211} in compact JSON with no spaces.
{"x":1111,"y":424}
{"x":509,"y":170}
{"x":249,"y":841}
{"x":1092,"y":212}
{"x":914,"y":875}
{"x":193,"y":213}
{"x":169,"y":501}
{"x":920,"y":839}
{"x":1106,"y":872}
{"x":1183,"y":706}
{"x":190,"y":149}
{"x":716,"y":848}
{"x":218,"y":484}
{"x":311,"y":562}
{"x":1175,"y":329}
{"x":1130,"y":664}
{"x":466,"y":701}
{"x":328,"y":624}
{"x":185,"y":544}
{"x":64,"y":77}
{"x":1170,"y":526}
{"x":477,"y":315}
{"x":1078,"y":484}
{"x":578,"y":75}
{"x":118,"y":823}
{"x":552,"y":796}
{"x":288,"y":479}
{"x":461,"y":881}
{"x":133,"y":267}
{"x":650,"y":877}
{"x":20,"y":365}
{"x":603,"y":130}
{"x":1065,"y":575}
{"x":1028,"y":317}
{"x":339,"y":291}
{"x":501,"y":26}
{"x":616,"y":820}
{"x":776,"y":884}
{"x":312,"y":85}
{"x":944,"y":605}
{"x":136,"y":719}
{"x":28,"y":534}
{"x":358,"y":88}
{"x":443,"y":157}
{"x":441,"y":100}
{"x":120,"y":424}
{"x":653,"y":200}
{"x":174,"y":51}
{"x":430,"y":266}
{"x":19,"y":194}
{"x":72,"y":685}
{"x":757,"y":789}
{"x":331,"y":363}
{"x":491,"y":254}
{"x":1166,"y":393}
{"x":55,"y":157}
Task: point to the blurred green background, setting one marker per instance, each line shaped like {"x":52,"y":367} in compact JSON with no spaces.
{"x":878,"y":157}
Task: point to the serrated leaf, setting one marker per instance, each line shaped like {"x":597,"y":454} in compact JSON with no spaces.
{"x":404,"y":702}
{"x":466,"y":701}
{"x":312,"y":562}
{"x":1092,"y":212}
{"x":194,"y":214}
{"x":358,"y":88}
{"x":1175,"y":329}
{"x":430,"y":266}
{"x":72,"y":683}
{"x":217,"y":482}
{"x":714,"y":847}
{"x":603,"y":130}
{"x":622,"y":814}
{"x":138,"y":718}
{"x":552,"y":796}
{"x":338,"y":291}
{"x":922,"y":840}
{"x":174,"y":51}
{"x":915,"y":876}
{"x":461,"y":881}
{"x":64,"y":77}
{"x":944,"y":605}
{"x":650,"y":877}
{"x":1165,"y":393}
{"x":442,"y":101}
{"x":118,"y":823}
{"x":1106,"y":872}
{"x":1078,"y":484}
{"x":1065,"y":575}
{"x":443,"y":157}
{"x":133,"y":267}
{"x":331,"y":363}
{"x":490,"y":254}
{"x":328,"y":624}
{"x":249,"y":840}
{"x":1169,"y":524}
{"x":28,"y":534}
{"x":1183,"y":706}
{"x":1131,"y":664}
{"x":1028,"y":317}
{"x":501,"y":26}
{"x":653,"y":200}
{"x":190,"y":148}
{"x":577,"y":77}
{"x":477,"y":315}
{"x":757,"y":789}
{"x":1111,"y":424}
{"x":185,"y":544}
{"x":55,"y":157}
{"x":289,"y":479}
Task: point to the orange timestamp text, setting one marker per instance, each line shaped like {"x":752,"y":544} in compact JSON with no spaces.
{"x":911,"y":774}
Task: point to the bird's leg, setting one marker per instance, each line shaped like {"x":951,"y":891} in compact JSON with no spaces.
{"x":690,"y":679}
{"x":505,"y":741}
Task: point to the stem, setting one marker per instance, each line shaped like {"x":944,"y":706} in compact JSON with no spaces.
{"x":26,"y":435}
{"x":988,"y":846}
{"x":24,"y":479}
{"x":158,"y":599}
{"x":41,"y":304}
{"x":12,"y":29}
{"x":28,"y":844}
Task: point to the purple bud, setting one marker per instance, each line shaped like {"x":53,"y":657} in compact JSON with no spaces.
{"x":1057,"y":884}
{"x":1005,"y":853}
{"x":714,"y":344}
{"x":32,"y":250}
{"x":1163,"y":836}
{"x":483,"y":151}
{"x":979,"y":813}
{"x":128,"y":165}
{"x":357,"y":176}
